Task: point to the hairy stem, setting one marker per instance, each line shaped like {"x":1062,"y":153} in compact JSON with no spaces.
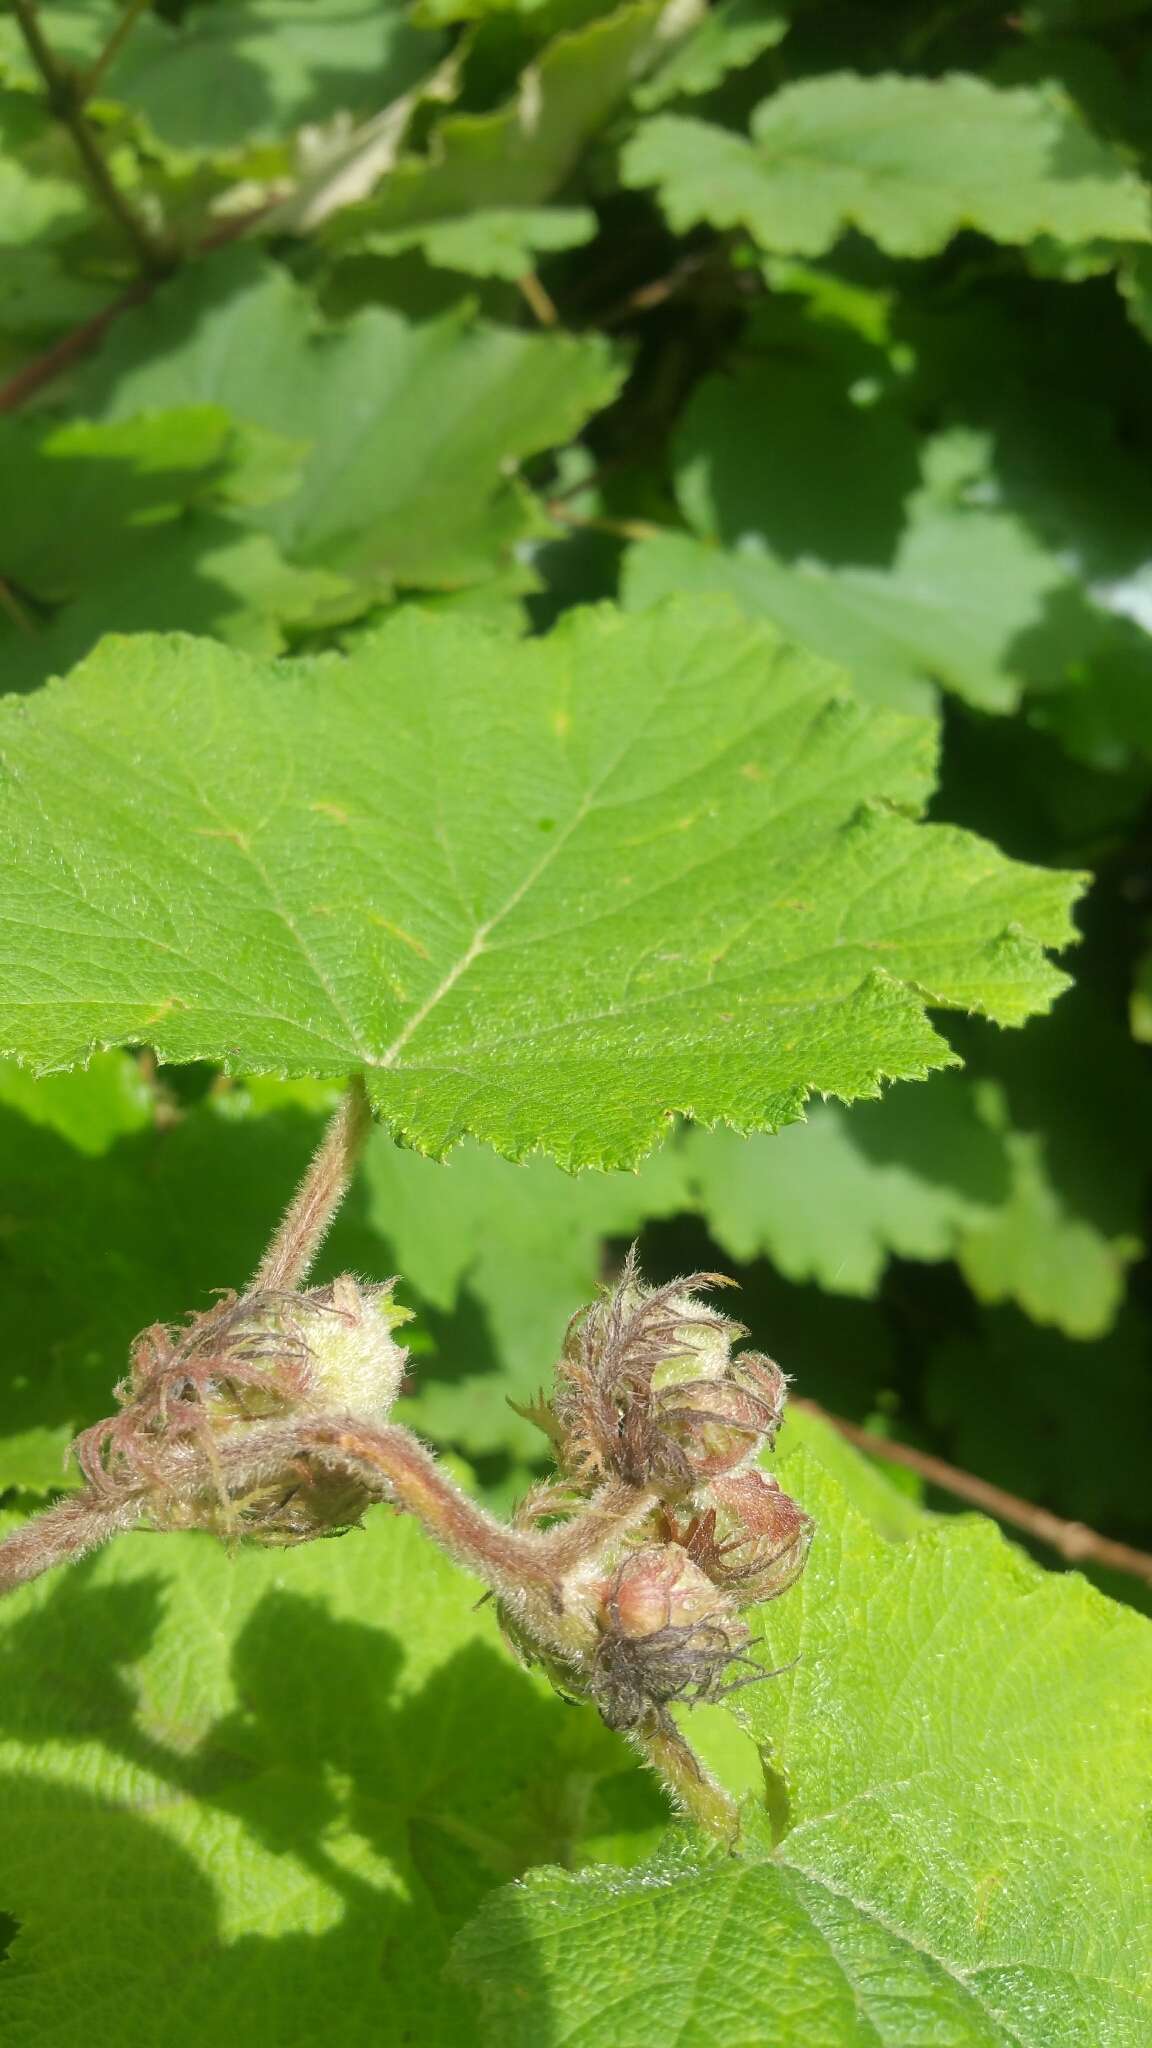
{"x":693,"y":1787}
{"x":67,"y":103}
{"x":510,"y":1561}
{"x":1075,"y":1543}
{"x":292,"y":1252}
{"x":63,"y":1533}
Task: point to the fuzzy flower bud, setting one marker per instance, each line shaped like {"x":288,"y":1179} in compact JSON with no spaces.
{"x":709,"y":1427}
{"x":649,"y":1390}
{"x":667,"y":1633}
{"x":761,"y":1537}
{"x":267,"y":1357}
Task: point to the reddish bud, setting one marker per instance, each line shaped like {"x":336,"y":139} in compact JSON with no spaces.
{"x":762,"y":1537}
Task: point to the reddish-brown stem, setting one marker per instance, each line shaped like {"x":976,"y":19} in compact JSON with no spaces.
{"x":46,"y":367}
{"x":1076,"y":1543}
{"x":63,"y":1533}
{"x":508,"y":1560}
{"x":290,"y":1256}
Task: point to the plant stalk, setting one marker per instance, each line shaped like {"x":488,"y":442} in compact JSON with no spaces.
{"x":292,"y":1252}
{"x":113,"y":47}
{"x":66,"y":101}
{"x":1076,"y":1543}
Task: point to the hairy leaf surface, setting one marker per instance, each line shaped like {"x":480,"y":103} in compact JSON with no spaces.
{"x":271,"y":1788}
{"x":958,"y":1766}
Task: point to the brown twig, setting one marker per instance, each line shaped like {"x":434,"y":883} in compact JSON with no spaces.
{"x":1076,"y":1543}
{"x":308,"y":1218}
{"x":55,"y":360}
{"x":541,"y":301}
{"x":66,"y":101}
{"x":113,"y":47}
{"x":620,"y":529}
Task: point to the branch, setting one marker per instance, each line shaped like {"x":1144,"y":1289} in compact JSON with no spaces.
{"x":66,"y":101}
{"x":113,"y":46}
{"x":290,"y":1256}
{"x":1075,"y":1543}
{"x":63,"y":1533}
{"x":540,"y":301}
{"x":620,"y":529}
{"x":83,"y":339}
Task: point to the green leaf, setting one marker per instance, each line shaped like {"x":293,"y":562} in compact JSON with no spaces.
{"x":907,"y":161}
{"x":518,"y":156}
{"x":495,"y":242}
{"x":412,"y":428}
{"x":282,"y":1784}
{"x":730,"y":36}
{"x":39,"y":202}
{"x":39,"y":290}
{"x":1035,"y":1190}
{"x":131,"y":526}
{"x":90,"y":1107}
{"x":958,"y":1767}
{"x":236,"y":74}
{"x":1074,"y":1215}
{"x":593,"y":908}
{"x":885,"y":556}
{"x":868,"y":1486}
{"x":834,"y":1198}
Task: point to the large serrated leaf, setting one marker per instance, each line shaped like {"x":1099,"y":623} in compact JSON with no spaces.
{"x":547,"y":894}
{"x":958,"y":1750}
{"x":256,"y":1796}
{"x":908,"y":161}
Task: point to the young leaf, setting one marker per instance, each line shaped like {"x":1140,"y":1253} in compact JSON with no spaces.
{"x":958,"y":1769}
{"x":519,"y":155}
{"x":495,"y":242}
{"x":663,"y":866}
{"x":908,"y":161}
{"x":281,"y":1783}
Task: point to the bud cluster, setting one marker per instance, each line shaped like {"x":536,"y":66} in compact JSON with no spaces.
{"x":653,"y":1398}
{"x":628,"y":1575}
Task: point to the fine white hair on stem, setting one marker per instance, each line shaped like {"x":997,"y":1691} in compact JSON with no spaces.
{"x":308,"y":1218}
